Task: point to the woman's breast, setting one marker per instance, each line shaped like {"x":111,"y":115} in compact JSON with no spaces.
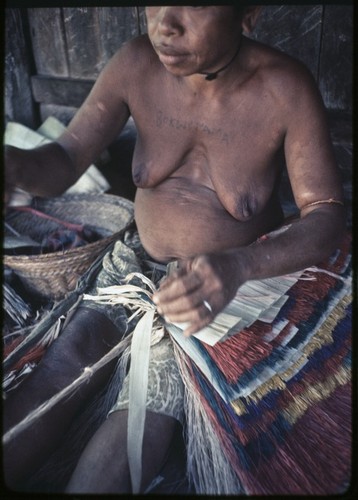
{"x":180,"y":218}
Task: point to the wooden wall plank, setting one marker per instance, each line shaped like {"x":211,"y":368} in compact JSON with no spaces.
{"x":294,"y":29}
{"x":142,"y":20}
{"x":77,"y":42}
{"x":61,"y":91}
{"x":117,"y":25}
{"x":336,"y":58}
{"x":84,"y":43}
{"x":48,"y":42}
{"x":18,"y":102}
{"x":94,"y":34}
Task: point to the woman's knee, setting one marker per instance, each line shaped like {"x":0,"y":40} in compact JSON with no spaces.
{"x":103,"y":466}
{"x":86,"y":338}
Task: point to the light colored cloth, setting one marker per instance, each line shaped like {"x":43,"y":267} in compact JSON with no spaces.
{"x":165,"y":386}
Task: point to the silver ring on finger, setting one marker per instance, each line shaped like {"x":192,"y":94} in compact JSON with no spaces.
{"x":208,"y":306}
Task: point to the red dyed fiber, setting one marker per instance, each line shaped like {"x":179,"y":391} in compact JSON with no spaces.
{"x":240,"y":352}
{"x":316,"y":456}
{"x":33,"y":356}
{"x":307,"y":294}
{"x":277,"y":341}
{"x":294,"y":389}
{"x":313,"y":455}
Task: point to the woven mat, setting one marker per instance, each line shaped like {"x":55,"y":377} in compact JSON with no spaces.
{"x":283,"y":415}
{"x":281,"y":421}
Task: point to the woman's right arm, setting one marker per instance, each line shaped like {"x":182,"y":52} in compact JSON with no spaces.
{"x":46,"y":170}
{"x":50,"y":169}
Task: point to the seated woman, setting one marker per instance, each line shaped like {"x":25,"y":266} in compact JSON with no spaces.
{"x":214,"y":112}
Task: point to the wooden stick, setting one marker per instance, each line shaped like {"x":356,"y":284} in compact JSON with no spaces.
{"x":47,"y":405}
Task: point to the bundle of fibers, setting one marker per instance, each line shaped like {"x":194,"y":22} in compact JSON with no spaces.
{"x":282,"y":421}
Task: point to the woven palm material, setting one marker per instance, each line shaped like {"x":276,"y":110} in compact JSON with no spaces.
{"x":280,"y":422}
{"x":53,"y":275}
{"x":278,"y":419}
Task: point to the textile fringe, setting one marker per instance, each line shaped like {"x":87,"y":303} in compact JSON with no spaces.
{"x":278,"y":381}
{"x":208,"y":467}
{"x":251,"y":341}
{"x":315,"y":393}
{"x":314,"y":458}
{"x":292,"y":433}
{"x":270,"y":411}
{"x":116,"y":382}
{"x":280,"y":451}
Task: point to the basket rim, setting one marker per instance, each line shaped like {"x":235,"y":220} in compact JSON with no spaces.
{"x":70,"y":252}
{"x":89,"y":248}
{"x":52,"y":275}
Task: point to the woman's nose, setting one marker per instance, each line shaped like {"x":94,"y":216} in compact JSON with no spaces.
{"x":169,"y":21}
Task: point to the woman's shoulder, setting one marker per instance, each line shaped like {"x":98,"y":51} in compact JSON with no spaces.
{"x":280,"y":71}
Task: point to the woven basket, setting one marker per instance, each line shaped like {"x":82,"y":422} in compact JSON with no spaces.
{"x":54,"y":274}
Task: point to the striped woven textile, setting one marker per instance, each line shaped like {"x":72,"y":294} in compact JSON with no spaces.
{"x":282,"y":421}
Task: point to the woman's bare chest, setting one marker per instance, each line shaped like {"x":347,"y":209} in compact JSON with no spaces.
{"x":230,"y":153}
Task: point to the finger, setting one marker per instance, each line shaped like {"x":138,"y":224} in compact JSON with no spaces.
{"x":195,"y":315}
{"x":182,"y":305}
{"x":170,"y":278}
{"x":178,"y":287}
{"x":185,"y":303}
{"x":182,"y":267}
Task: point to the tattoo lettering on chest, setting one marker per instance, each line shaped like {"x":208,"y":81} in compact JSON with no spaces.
{"x":163,"y":120}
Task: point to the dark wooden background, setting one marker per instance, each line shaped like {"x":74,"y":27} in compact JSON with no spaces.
{"x":53,"y":55}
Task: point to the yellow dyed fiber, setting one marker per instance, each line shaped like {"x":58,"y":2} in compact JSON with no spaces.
{"x":315,"y":393}
{"x":322,"y":337}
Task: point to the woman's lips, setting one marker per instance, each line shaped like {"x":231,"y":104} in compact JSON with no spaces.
{"x":170,"y":56}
